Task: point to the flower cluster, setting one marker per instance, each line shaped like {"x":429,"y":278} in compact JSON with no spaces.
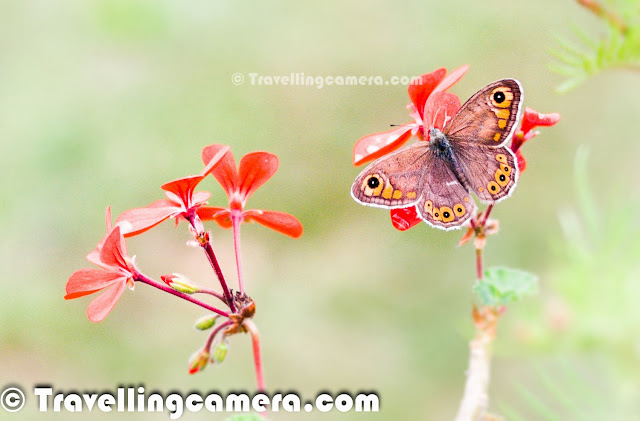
{"x":184,"y":203}
{"x":432,"y":107}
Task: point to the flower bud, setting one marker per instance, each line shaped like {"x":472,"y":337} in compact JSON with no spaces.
{"x":206,"y":322}
{"x":220,"y":352}
{"x":180,"y":283}
{"x":198,"y":361}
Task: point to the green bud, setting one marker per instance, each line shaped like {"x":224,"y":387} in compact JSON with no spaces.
{"x":180,"y":283}
{"x":206,"y":322}
{"x":220,"y":352}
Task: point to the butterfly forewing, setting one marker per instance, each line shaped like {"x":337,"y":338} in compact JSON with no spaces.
{"x":489,"y":116}
{"x":394,"y":180}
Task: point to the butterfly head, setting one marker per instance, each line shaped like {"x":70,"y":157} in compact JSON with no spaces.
{"x":438,"y":139}
{"x":434,"y":134}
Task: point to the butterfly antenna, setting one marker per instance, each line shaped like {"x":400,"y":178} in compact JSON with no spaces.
{"x":446,"y":118}
{"x":435,"y":116}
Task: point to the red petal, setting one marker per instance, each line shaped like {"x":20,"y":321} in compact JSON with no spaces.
{"x":136,"y":221}
{"x":199,"y":197}
{"x":279,"y":221}
{"x":405,"y":218}
{"x":254,"y":170}
{"x":452,"y":78}
{"x":211,"y":213}
{"x":466,"y":237}
{"x":225,"y":172}
{"x":183,"y":188}
{"x":439,"y":109}
{"x":102,"y":306}
{"x":532,"y":119}
{"x":88,"y":281}
{"x":516,"y":141}
{"x":522,"y":163}
{"x":107,"y":218}
{"x":94,"y":255}
{"x":421,"y":87}
{"x":114,"y":250}
{"x":212,"y":155}
{"x":378,"y":144}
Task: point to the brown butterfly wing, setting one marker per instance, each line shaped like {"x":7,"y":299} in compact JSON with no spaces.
{"x":491,"y":172}
{"x":415,"y":175}
{"x":489,"y":117}
{"x":445,"y":202}
{"x":395,"y":180}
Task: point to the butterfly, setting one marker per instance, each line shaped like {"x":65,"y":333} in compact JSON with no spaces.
{"x":467,"y":155}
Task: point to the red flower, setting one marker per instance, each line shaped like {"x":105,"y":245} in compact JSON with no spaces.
{"x":420,"y":91}
{"x":181,"y":202}
{"x":239,"y":184}
{"x":119,"y":271}
{"x":530,"y":120}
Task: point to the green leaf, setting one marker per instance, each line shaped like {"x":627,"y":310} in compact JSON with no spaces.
{"x":501,"y":286}
{"x":246,"y":417}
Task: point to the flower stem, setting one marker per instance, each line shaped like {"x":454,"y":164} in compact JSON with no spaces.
{"x":207,"y":345}
{"x":475,"y":400}
{"x":141,"y":278}
{"x":479,"y":270}
{"x":257,"y":361}
{"x":236,"y":220}
{"x":205,"y":243}
{"x":216,"y":268}
{"x":485,"y":217}
{"x":212,"y":292}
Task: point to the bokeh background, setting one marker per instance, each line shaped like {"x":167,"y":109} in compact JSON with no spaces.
{"x":101,"y":102}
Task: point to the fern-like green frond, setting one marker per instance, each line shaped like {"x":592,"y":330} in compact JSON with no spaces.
{"x":586,"y":56}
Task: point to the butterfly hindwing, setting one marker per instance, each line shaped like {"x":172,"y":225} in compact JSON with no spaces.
{"x":491,"y":172}
{"x":489,"y":116}
{"x":395,"y":180}
{"x":445,"y":202}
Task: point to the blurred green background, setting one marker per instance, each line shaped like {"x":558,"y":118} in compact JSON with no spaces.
{"x":101,"y":102}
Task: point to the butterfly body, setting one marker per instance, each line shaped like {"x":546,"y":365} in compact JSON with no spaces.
{"x":467,"y":155}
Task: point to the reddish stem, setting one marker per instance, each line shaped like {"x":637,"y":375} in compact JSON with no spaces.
{"x":212,"y":292}
{"x":479,"y":264}
{"x":485,"y":217}
{"x":216,"y":268}
{"x":207,"y":345}
{"x":257,"y":361}
{"x":236,"y":220}
{"x":141,"y":278}
{"x":206,"y":246}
